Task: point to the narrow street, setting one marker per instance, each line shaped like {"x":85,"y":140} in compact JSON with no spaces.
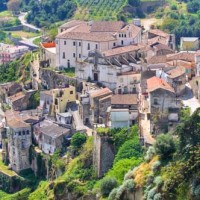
{"x":189,"y":100}
{"x":145,"y":130}
{"x":24,"y":22}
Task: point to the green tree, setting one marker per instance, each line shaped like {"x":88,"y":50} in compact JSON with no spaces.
{"x":165,"y":146}
{"x":107,"y":185}
{"x":129,"y":149}
{"x":78,"y":139}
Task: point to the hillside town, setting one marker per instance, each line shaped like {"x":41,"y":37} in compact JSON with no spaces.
{"x":124,"y":75}
{"x":99,"y":100}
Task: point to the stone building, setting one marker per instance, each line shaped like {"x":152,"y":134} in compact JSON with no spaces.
{"x":50,"y":136}
{"x":94,"y":104}
{"x":157,"y":35}
{"x":19,"y":135}
{"x":162,"y":102}
{"x":106,"y":67}
{"x":103,"y":154}
{"x":189,"y":44}
{"x":55,"y":101}
{"x":175,"y":76}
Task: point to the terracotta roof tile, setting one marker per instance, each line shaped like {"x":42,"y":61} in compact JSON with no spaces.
{"x":124,"y":99}
{"x":72,"y":23}
{"x":121,"y":50}
{"x":107,"y":26}
{"x":157,"y":59}
{"x":155,"y":83}
{"x":48,"y":44}
{"x":176,"y":72}
{"x":187,"y":56}
{"x":101,"y":92}
{"x":159,"y":33}
{"x":97,"y":37}
{"x":14,"y":120}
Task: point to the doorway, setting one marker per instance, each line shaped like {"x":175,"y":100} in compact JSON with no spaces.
{"x":96,"y":77}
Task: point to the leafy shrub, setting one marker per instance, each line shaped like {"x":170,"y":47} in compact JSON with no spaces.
{"x":121,"y":167}
{"x":158,"y":181}
{"x":174,"y":7}
{"x":129,"y":149}
{"x":129,"y":175}
{"x":149,"y":154}
{"x":165,"y":146}
{"x":195,"y":188}
{"x":157,"y":196}
{"x":155,"y":166}
{"x":128,"y":185}
{"x":151,"y":193}
{"x":78,"y":139}
{"x":107,"y":185}
{"x":113,"y":194}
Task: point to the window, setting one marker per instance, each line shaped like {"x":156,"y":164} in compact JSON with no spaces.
{"x":122,"y":42}
{"x":114,"y":44}
{"x":71,"y":92}
{"x":74,"y":43}
{"x":79,"y":56}
{"x":23,"y":132}
{"x":65,"y":42}
{"x":63,"y":55}
{"x":23,"y":144}
{"x":119,"y":35}
{"x":27,"y":132}
{"x":79,"y":44}
{"x":68,"y":63}
{"x":96,"y":46}
{"x":74,"y":55}
{"x":19,"y":132}
{"x":155,"y":101}
{"x":88,"y":46}
{"x":125,"y":35}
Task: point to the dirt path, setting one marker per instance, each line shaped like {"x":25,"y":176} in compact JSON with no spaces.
{"x":148,"y":22}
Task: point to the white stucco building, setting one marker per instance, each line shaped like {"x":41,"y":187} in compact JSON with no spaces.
{"x":77,"y":38}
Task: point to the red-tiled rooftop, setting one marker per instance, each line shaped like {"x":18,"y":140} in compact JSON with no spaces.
{"x":107,"y":26}
{"x":187,"y":56}
{"x":121,"y":50}
{"x":155,"y":83}
{"x":48,"y":44}
{"x":159,"y":33}
{"x":101,"y":92}
{"x":124,"y":99}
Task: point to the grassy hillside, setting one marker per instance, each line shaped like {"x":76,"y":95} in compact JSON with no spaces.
{"x":99,"y":9}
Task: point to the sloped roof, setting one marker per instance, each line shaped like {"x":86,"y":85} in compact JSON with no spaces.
{"x":101,"y":92}
{"x":176,"y":72}
{"x":121,"y":50}
{"x":15,"y":120}
{"x":107,"y":26}
{"x":48,"y":44}
{"x":159,"y":33}
{"x":187,"y":56}
{"x":97,"y":37}
{"x":157,"y":59}
{"x":124,"y":99}
{"x":155,"y":83}
{"x":72,"y":23}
